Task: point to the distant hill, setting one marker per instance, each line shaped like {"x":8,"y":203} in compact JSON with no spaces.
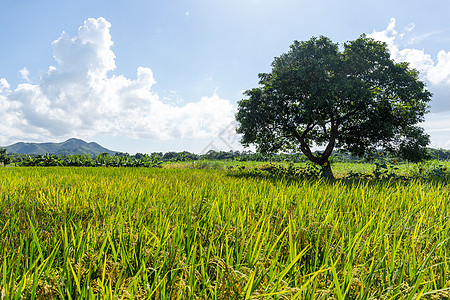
{"x":71,"y":146}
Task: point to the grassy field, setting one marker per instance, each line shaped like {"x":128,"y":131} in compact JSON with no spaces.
{"x":206,"y":233}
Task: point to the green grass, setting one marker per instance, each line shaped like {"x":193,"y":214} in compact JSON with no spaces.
{"x":179,"y":233}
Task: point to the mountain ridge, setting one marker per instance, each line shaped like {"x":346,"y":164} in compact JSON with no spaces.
{"x":71,"y":146}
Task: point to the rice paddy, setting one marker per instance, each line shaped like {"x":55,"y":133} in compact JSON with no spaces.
{"x":180,"y":233}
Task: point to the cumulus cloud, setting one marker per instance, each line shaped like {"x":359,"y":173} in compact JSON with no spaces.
{"x":80,"y":96}
{"x":4,"y":85}
{"x":434,"y":71}
{"x":24,"y":73}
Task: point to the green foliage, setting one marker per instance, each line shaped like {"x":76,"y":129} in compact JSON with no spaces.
{"x":439,"y":154}
{"x":383,"y":169}
{"x":185,"y":156}
{"x":357,"y":100}
{"x":102,"y":160}
{"x":4,"y":158}
{"x":280,"y":171}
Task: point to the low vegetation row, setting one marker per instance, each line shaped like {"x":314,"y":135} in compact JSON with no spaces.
{"x":156,"y":158}
{"x":49,"y":160}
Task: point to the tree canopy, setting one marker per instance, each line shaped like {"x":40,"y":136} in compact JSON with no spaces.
{"x":355,"y":99}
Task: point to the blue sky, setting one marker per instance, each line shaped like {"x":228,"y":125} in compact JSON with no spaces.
{"x":146,"y":76}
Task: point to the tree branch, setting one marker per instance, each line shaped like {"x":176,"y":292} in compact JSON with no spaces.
{"x":325,"y":131}
{"x":303,"y":145}
{"x":332,"y":138}
{"x":308,"y":128}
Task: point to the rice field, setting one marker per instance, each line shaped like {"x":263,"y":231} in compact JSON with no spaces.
{"x":180,"y":233}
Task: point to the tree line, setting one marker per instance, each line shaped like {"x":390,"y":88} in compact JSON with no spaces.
{"x":155,"y":159}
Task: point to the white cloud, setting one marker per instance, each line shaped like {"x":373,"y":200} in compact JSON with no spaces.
{"x":4,"y":85}
{"x":410,"y":27}
{"x":81,"y":97}
{"x":24,"y":73}
{"x":440,"y":73}
{"x":435,"y":72}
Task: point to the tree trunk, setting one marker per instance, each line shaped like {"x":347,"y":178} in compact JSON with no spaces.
{"x":323,"y":159}
{"x":327,"y":169}
{"x":329,"y":149}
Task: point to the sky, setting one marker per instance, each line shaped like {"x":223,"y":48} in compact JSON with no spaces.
{"x":157,"y":76}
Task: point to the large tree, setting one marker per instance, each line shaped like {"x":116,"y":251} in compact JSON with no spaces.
{"x":355,"y":98}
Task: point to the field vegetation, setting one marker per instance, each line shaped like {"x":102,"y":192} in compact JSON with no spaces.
{"x":215,"y":230}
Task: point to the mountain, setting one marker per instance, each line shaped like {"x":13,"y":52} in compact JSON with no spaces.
{"x":71,"y":146}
